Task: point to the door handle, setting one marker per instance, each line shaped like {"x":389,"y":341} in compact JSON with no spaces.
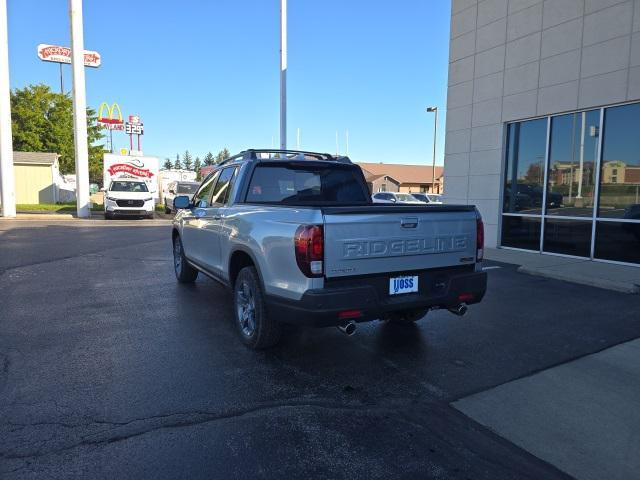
{"x":217,"y":217}
{"x":409,"y":222}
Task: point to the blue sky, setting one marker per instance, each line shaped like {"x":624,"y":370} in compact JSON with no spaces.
{"x":204,"y":75}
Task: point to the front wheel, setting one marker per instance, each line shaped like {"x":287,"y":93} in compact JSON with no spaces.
{"x":185,"y":273}
{"x":256,"y":328}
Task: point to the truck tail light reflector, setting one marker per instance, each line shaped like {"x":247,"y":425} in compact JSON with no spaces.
{"x":466,"y":297}
{"x":309,"y":246}
{"x":479,"y":239}
{"x":349,"y":314}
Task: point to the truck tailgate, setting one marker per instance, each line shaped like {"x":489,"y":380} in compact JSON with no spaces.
{"x":395,"y":238}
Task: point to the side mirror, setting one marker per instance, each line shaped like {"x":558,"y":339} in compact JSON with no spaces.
{"x":394,"y":199}
{"x":103,"y":189}
{"x":181,"y":201}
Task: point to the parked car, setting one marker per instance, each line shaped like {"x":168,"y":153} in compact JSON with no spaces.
{"x":178,"y":188}
{"x":432,"y":198}
{"x":297,"y":239}
{"x":394,"y":197}
{"x":128,"y":197}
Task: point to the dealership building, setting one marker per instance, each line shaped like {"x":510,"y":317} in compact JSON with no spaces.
{"x":543,"y":124}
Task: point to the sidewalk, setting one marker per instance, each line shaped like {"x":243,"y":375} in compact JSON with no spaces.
{"x":580,"y":416}
{"x":586,"y":272}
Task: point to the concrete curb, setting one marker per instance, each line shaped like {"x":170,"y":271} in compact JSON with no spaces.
{"x":619,"y":286}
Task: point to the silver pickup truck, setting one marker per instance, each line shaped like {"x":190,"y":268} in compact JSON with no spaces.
{"x":297,"y":239}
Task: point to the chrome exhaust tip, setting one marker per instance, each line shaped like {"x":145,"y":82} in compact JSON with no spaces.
{"x":459,"y":310}
{"x":348,"y":328}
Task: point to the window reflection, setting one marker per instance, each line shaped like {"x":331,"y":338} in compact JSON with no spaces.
{"x":572,"y":160}
{"x":524,"y":180}
{"x":620,"y":171}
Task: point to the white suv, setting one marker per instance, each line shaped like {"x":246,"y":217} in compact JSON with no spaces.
{"x":128,"y":197}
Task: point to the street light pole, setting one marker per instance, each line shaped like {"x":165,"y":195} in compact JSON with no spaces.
{"x":283,"y":74}
{"x":435,"y":136}
{"x":7,"y":182}
{"x":79,"y":109}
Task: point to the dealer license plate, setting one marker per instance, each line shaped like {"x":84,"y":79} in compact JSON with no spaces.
{"x":399,"y":285}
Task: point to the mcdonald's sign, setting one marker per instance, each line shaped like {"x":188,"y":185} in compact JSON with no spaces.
{"x":113,"y":118}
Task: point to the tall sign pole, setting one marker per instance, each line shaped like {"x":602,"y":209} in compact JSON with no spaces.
{"x":283,"y":74}
{"x":79,"y":109}
{"x":7,"y":182}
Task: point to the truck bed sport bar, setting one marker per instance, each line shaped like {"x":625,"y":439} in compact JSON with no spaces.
{"x":275,"y":154}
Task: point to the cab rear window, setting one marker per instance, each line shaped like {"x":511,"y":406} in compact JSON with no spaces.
{"x":292,"y":184}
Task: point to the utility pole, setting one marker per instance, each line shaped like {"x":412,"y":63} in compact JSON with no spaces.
{"x":61,"y":80}
{"x":79,"y":109}
{"x":7,"y":182}
{"x":283,"y":74}
{"x":435,"y":136}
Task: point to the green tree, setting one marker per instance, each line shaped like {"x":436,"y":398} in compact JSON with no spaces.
{"x":222,"y":155}
{"x":177,"y":165}
{"x":209,"y":159}
{"x":167,"y":164}
{"x":42,"y":121}
{"x":187,"y":160}
{"x":197,"y":164}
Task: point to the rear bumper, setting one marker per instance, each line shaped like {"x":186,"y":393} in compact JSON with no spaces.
{"x":321,"y":307}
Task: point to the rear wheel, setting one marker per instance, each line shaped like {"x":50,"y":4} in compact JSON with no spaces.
{"x":406,"y":316}
{"x":185,"y":273}
{"x":167,"y":210}
{"x":256,"y":328}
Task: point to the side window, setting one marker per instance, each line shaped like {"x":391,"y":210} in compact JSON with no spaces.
{"x":201,"y":198}
{"x":223,"y":187}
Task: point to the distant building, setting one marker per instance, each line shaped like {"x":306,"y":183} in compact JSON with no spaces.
{"x":390,"y":177}
{"x":35,"y":176}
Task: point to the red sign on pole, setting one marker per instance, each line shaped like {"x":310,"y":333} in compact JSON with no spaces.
{"x":58,"y":54}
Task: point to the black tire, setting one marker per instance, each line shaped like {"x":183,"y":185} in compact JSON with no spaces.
{"x":167,"y":210}
{"x":185,"y":273}
{"x":108,"y":216}
{"x":257,"y":330}
{"x":406,"y":316}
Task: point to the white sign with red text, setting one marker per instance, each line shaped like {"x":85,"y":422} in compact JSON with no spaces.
{"x":131,"y":166}
{"x":58,"y":54}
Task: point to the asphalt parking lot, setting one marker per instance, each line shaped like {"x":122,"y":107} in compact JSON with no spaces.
{"x":110,"y":369}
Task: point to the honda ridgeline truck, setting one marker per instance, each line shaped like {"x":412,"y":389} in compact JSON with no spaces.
{"x":297,"y":239}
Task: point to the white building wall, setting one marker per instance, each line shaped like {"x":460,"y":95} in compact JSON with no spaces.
{"x":517,"y":59}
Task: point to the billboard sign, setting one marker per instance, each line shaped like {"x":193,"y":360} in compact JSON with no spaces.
{"x":130,"y":166}
{"x":58,"y":54}
{"x":113,"y":118}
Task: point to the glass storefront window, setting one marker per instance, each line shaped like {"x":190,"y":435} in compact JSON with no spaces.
{"x":567,"y":236}
{"x":521,"y":232}
{"x":572,"y":164}
{"x":560,"y":213}
{"x":618,"y":241}
{"x":620,"y":166}
{"x":524,"y":181}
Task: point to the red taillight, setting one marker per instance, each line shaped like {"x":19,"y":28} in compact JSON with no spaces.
{"x":347,"y":314}
{"x":309,"y":245}
{"x":479,"y":239}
